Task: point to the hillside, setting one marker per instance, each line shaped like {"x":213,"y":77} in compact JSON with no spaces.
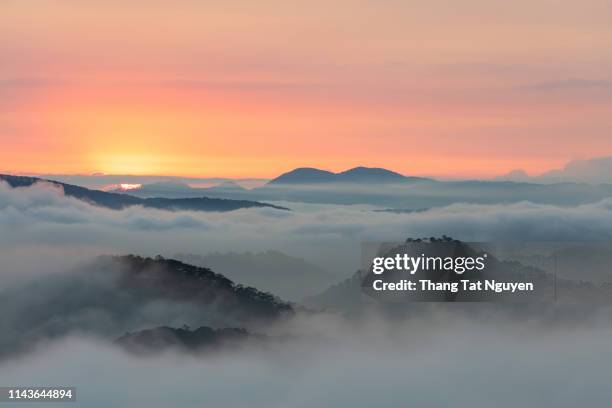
{"x":118,"y":294}
{"x":355,"y":293}
{"x":116,"y":201}
{"x":173,"y":280}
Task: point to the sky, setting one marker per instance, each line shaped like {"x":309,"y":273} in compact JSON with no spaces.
{"x":252,"y":89}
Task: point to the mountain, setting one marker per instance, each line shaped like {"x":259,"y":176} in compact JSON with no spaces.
{"x":357,"y":175}
{"x":385,"y":188}
{"x":371,"y":175}
{"x":100,"y":181}
{"x":289,"y":277}
{"x":160,"y":278}
{"x":162,"y":338}
{"x":382,"y":188}
{"x":355,"y":294}
{"x":304,"y":175}
{"x":117,"y":294}
{"x":118,"y":201}
{"x":378,"y":187}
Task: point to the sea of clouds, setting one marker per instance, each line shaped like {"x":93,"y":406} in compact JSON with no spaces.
{"x":435,"y":363}
{"x":328,"y":360}
{"x":40,"y":221}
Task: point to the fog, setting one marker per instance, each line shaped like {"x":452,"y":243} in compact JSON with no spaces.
{"x":426,"y":363}
{"x":39,"y":223}
{"x":440,"y":356}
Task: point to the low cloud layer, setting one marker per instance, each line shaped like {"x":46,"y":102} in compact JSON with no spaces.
{"x":430,"y":360}
{"x":421,"y":363}
{"x":40,"y":222}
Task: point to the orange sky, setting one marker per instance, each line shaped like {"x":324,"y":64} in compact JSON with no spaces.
{"x":245,"y":89}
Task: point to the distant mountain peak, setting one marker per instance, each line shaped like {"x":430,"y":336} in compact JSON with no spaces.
{"x":368,"y":170}
{"x":304,"y":175}
{"x":360,"y":174}
{"x":370,"y":173}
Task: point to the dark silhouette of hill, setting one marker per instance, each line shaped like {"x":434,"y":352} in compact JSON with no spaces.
{"x":355,"y":293}
{"x":304,"y":175}
{"x":161,"y":278}
{"x":118,"y":201}
{"x":361,"y":185}
{"x":371,"y":175}
{"x":357,"y":175}
{"x":116,"y":294}
{"x":384,"y":188}
{"x":289,"y":277}
{"x":200,"y":340}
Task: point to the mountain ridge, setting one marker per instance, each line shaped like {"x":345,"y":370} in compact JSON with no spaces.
{"x":355,"y":175}
{"x":124,"y":293}
{"x":119,"y":201}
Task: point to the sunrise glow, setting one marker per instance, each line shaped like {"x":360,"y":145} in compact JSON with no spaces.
{"x":210,"y":90}
{"x":128,"y":186}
